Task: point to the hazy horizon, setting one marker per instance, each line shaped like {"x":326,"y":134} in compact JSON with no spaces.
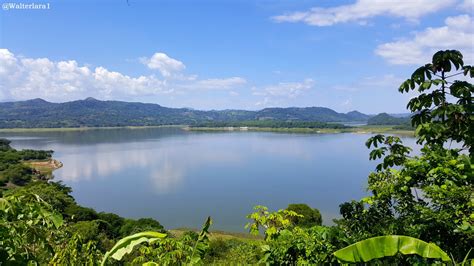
{"x":7,"y":101}
{"x":343,"y":55}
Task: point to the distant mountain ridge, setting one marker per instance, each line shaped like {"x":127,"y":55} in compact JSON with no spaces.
{"x":386,"y":119}
{"x":91,"y":112}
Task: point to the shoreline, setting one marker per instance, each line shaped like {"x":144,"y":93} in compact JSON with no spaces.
{"x":66,"y":129}
{"x":44,"y":166}
{"x":366,"y":129}
{"x":355,"y":130}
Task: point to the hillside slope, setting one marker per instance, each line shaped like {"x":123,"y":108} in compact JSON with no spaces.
{"x":91,"y":112}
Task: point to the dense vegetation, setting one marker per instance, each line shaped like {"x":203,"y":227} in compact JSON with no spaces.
{"x":401,"y":123}
{"x":420,"y":209}
{"x":90,"y":112}
{"x":386,"y":119}
{"x":272,"y":124}
{"x":33,"y":214}
{"x":12,"y":169}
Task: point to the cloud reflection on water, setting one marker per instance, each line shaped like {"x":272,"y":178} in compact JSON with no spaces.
{"x":166,"y":166}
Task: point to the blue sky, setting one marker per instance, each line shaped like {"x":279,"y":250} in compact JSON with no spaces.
{"x":346,"y":55}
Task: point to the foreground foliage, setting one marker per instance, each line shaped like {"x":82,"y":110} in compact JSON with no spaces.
{"x":420,"y":208}
{"x":125,"y":245}
{"x":387,"y":246}
{"x":13,"y":171}
{"x":429,"y":196}
{"x":28,"y":230}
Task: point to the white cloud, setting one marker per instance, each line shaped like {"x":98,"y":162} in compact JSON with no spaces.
{"x":346,"y":104}
{"x":467,"y":5}
{"x":457,"y":33}
{"x":362,"y":10}
{"x":27,"y":78}
{"x":167,"y":177}
{"x":225,"y":83}
{"x":372,"y":83}
{"x":163,"y":63}
{"x":8,"y":62}
{"x":280,"y":93}
{"x":285,"y":89}
{"x":110,"y":81}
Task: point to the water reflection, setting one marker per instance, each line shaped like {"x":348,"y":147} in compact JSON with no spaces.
{"x":166,"y":178}
{"x":166,"y":164}
{"x":97,"y":136}
{"x":180,"y":177}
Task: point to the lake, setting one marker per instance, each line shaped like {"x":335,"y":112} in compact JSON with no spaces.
{"x":180,"y":177}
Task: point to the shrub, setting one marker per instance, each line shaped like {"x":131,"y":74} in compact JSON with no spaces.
{"x":18,"y":174}
{"x":135,"y":226}
{"x":79,"y":213}
{"x":311,"y":217}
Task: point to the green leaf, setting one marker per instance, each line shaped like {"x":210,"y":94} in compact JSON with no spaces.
{"x":205,"y":228}
{"x":150,"y":263}
{"x":57,"y":219}
{"x":385,"y":246}
{"x":468,"y":70}
{"x":126,"y":244}
{"x":4,"y":204}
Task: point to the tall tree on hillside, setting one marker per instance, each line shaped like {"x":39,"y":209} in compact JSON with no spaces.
{"x":429,"y":196}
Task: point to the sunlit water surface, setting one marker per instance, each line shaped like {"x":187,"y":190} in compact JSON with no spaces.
{"x":181,"y":177}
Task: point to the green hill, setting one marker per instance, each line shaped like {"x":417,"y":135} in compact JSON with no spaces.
{"x":386,"y":119}
{"x":38,"y":113}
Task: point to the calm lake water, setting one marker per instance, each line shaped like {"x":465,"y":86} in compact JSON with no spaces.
{"x":180,"y":177}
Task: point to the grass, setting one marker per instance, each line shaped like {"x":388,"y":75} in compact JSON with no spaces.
{"x":219,"y":234}
{"x":359,"y":129}
{"x":45,"y":167}
{"x":382,"y":129}
{"x":268,"y":129}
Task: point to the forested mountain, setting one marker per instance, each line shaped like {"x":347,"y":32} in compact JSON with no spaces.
{"x":357,"y":116}
{"x":386,"y":119}
{"x":95,"y":113}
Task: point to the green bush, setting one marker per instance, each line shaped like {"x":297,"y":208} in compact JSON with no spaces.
{"x":311,"y":217}
{"x":35,"y":154}
{"x":135,"y":226}
{"x":88,"y":230}
{"x":78,"y":213}
{"x":54,"y":193}
{"x":114,"y":223}
{"x":232,"y":251}
{"x":4,"y":144}
{"x":301,"y":246}
{"x":18,"y":174}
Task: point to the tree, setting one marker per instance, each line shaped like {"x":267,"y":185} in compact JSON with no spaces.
{"x":428,"y":196}
{"x":4,"y":144}
{"x":311,"y":217}
{"x":143,"y":224}
{"x":271,"y":222}
{"x":55,"y":194}
{"x":76,"y":252}
{"x":18,"y":174}
{"x":443,"y":111}
{"x":78,"y":213}
{"x":114,"y":223}
{"x":301,"y":246}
